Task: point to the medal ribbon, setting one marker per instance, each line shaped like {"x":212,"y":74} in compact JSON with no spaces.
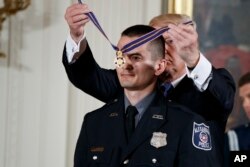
{"x":133,"y":44}
{"x":98,"y":26}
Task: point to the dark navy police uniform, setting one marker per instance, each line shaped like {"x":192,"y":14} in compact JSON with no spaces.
{"x":168,"y":135}
{"x":214,"y":104}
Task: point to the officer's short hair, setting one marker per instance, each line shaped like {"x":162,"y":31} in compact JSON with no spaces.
{"x":156,"y":46}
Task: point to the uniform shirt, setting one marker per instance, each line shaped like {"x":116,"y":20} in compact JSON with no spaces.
{"x":141,"y":106}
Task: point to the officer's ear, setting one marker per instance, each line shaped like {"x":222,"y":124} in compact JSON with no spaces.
{"x":160,"y":66}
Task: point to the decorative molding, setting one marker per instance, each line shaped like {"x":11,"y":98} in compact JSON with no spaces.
{"x":12,"y":7}
{"x":181,"y":7}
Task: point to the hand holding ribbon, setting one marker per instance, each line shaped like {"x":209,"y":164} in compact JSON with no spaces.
{"x":133,"y":44}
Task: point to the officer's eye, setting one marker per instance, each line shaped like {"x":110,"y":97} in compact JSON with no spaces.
{"x":135,"y":57}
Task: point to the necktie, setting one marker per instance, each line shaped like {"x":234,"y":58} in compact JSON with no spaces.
{"x":131,"y":112}
{"x":166,"y":88}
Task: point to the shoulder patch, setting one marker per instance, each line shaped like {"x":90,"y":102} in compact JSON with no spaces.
{"x":201,"y":137}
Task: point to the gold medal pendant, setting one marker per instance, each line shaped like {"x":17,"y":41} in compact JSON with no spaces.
{"x":119,"y":60}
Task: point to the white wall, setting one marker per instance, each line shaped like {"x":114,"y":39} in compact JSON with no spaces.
{"x":40,"y":111}
{"x":35,"y":99}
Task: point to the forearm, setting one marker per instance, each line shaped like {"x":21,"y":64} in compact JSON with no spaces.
{"x":88,"y":76}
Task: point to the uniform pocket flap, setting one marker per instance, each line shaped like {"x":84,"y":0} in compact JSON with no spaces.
{"x":100,"y":154}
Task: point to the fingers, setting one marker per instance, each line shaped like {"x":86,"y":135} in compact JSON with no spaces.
{"x":76,"y":13}
{"x":76,"y":18}
{"x":183,"y":34}
{"x":185,"y":42}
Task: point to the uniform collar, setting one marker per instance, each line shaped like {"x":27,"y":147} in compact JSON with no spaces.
{"x":142,"y":105}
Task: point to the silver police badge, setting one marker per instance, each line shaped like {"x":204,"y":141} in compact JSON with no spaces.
{"x":201,"y":137}
{"x":158,"y":139}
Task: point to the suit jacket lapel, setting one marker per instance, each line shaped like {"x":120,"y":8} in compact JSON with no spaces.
{"x":153,"y":118}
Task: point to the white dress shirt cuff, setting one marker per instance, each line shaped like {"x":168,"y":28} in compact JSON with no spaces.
{"x":201,"y":74}
{"x":72,"y":47}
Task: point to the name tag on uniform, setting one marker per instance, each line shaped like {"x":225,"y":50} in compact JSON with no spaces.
{"x":155,"y":116}
{"x":114,"y":114}
{"x":97,"y":149}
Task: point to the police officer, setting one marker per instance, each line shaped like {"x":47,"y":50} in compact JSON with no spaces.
{"x":201,"y":87}
{"x":162,"y":133}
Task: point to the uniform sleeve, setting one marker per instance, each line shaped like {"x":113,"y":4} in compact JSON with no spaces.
{"x":196,"y":146}
{"x":88,"y":76}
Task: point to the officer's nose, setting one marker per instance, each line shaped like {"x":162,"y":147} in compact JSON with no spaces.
{"x":128,"y":65}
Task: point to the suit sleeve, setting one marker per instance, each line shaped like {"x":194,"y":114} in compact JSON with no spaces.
{"x":88,"y":76}
{"x":193,"y":150}
{"x":222,"y":88}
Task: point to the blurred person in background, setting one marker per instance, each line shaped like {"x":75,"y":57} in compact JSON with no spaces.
{"x":238,"y":139}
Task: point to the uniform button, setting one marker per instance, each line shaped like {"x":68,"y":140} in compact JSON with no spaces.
{"x":126,"y":162}
{"x":95,"y":157}
{"x":154,"y":160}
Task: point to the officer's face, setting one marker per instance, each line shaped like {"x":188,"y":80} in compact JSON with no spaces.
{"x":244,"y":93}
{"x":140,"y":70}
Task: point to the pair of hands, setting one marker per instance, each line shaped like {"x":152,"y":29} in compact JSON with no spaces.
{"x":184,"y":37}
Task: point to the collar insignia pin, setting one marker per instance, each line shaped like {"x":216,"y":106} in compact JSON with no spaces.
{"x":155,"y":116}
{"x":113,"y":114}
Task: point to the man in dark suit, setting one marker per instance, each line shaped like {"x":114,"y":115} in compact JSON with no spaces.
{"x":197,"y":85}
{"x":165,"y":134}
